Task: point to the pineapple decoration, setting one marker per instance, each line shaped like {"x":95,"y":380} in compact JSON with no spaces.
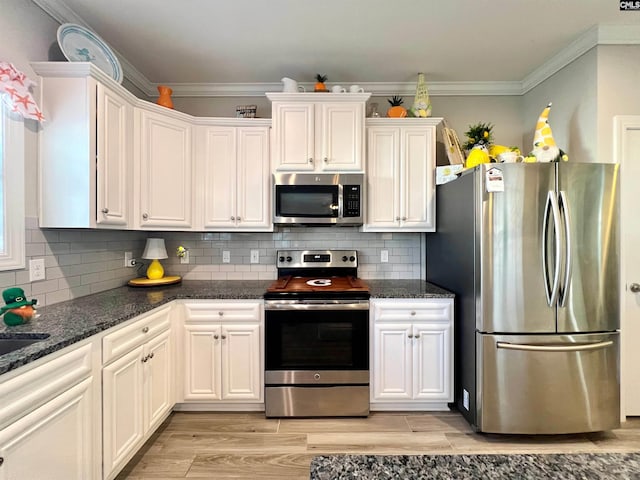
{"x":320,"y":86}
{"x":479,"y":137}
{"x":421,"y":104}
{"x":396,"y":110}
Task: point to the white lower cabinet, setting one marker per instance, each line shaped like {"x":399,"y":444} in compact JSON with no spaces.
{"x":137,"y":382}
{"x":223,"y":352}
{"x":49,"y":421}
{"x":412,"y":354}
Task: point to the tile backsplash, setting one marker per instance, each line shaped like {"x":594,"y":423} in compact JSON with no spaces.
{"x":80,"y":262}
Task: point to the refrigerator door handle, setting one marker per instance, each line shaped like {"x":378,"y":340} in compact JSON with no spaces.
{"x":555,"y":347}
{"x":551,"y":291}
{"x":566,"y":220}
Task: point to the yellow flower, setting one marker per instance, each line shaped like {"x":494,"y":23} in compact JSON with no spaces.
{"x":485,"y":134}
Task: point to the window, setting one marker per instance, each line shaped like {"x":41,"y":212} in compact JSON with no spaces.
{"x":11,"y":190}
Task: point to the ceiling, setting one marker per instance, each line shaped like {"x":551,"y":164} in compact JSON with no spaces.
{"x":225,"y":47}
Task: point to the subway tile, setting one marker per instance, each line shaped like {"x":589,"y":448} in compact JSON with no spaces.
{"x":44,"y":286}
{"x":58,"y":296}
{"x":34,"y":249}
{"x":8,"y":279}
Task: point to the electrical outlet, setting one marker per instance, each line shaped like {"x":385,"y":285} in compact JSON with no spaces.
{"x":226,"y":256}
{"x":384,"y":256}
{"x":129,"y":261}
{"x":185,"y":257}
{"x":36,"y":269}
{"x":255,"y":256}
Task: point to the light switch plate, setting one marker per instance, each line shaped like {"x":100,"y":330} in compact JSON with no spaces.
{"x":255,"y":256}
{"x":36,"y":269}
{"x":384,"y":256}
{"x":185,"y":258}
{"x":226,"y":256}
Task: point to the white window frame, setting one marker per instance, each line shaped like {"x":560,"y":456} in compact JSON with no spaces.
{"x":13,"y":256}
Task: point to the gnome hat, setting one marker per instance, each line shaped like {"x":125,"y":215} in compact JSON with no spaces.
{"x":543,"y":135}
{"x":14,"y":298}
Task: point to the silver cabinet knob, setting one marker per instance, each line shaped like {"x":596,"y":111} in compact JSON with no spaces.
{"x":417,"y":335}
{"x":238,"y":218}
{"x":233,"y":218}
{"x":326,"y":160}
{"x":397,"y":219}
{"x":410,"y":336}
{"x":311,"y":160}
{"x":634,"y":287}
{"x":221,"y":313}
{"x":145,"y":216}
{"x":145,"y":329}
{"x":151,"y":355}
{"x":105,"y":210}
{"x":404,"y":219}
{"x":224,"y":336}
{"x":215,"y":337}
{"x":413,"y":312}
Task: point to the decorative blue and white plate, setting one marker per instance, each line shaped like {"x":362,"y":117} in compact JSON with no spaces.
{"x":81,"y":45}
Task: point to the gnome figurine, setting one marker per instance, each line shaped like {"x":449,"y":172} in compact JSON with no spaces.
{"x":544,"y":146}
{"x":17,"y":309}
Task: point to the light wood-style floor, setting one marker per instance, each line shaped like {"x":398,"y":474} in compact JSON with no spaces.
{"x":249,"y":446}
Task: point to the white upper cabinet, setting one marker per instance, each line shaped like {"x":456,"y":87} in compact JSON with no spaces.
{"x":233,"y":176}
{"x":163,"y":170}
{"x":85,"y":148}
{"x":401,"y":160}
{"x":321,"y":132}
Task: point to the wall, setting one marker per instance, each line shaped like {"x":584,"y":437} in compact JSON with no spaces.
{"x":573,"y":91}
{"x":618,"y":91}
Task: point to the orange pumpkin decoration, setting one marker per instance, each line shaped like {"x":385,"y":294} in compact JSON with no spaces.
{"x":320,"y":86}
{"x":396,"y":110}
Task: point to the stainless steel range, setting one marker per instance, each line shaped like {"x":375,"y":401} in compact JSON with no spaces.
{"x":317,"y":336}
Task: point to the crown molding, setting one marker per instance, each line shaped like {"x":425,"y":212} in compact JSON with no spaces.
{"x":597,"y":35}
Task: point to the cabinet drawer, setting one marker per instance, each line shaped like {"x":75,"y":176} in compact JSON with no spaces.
{"x":222,"y":312}
{"x":125,"y":339}
{"x":27,"y":391}
{"x":406,"y":310}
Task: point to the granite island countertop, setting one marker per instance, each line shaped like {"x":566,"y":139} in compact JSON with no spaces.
{"x":74,"y":320}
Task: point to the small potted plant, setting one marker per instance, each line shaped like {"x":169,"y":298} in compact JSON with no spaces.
{"x":320,"y":86}
{"x":396,"y":110}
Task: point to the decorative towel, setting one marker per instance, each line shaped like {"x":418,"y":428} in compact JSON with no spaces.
{"x":14,"y":92}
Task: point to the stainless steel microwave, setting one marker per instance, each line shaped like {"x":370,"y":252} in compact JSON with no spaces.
{"x":318,"y":199}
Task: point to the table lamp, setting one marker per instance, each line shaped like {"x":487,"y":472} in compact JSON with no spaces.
{"x":155,"y":250}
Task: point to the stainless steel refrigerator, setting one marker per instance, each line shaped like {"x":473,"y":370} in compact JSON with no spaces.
{"x":531,"y":252}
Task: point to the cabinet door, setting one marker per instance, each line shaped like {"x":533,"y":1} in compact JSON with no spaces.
{"x":241,"y":362}
{"x":293,"y":127}
{"x":164,"y":177}
{"x":339,"y":136}
{"x":383,"y":184}
{"x":114,"y":157}
{"x":217,"y":159}
{"x":432,"y":365}
{"x":202,"y":362}
{"x":122,"y":408}
{"x":417,"y":153}
{"x":392,"y":362}
{"x":253,"y":210}
{"x":158,"y":380}
{"x":54,"y":441}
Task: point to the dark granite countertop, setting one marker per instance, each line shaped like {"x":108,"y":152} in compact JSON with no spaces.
{"x":74,"y":320}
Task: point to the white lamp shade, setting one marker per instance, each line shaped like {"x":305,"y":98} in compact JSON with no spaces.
{"x":155,"y":249}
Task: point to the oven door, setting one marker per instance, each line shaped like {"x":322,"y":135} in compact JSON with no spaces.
{"x":313,"y":337}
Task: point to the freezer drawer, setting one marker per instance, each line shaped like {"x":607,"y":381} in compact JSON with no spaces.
{"x":548,"y":384}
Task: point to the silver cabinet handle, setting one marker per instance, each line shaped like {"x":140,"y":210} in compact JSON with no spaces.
{"x":105,"y":210}
{"x":145,"y":216}
{"x":634,"y":287}
{"x":145,"y":330}
{"x":215,"y":337}
{"x":1,"y":460}
{"x":144,"y":359}
{"x":554,"y":348}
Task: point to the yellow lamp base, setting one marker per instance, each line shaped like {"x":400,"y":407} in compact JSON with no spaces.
{"x":155,"y":270}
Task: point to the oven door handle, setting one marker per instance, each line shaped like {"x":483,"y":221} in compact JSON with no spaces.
{"x":323,"y":305}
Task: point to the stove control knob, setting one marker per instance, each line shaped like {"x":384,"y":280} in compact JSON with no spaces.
{"x":344,"y":259}
{"x":289,"y":259}
{"x":281,"y":259}
{"x":352,"y":258}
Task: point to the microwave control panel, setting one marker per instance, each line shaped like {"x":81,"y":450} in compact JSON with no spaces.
{"x":351,"y":194}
